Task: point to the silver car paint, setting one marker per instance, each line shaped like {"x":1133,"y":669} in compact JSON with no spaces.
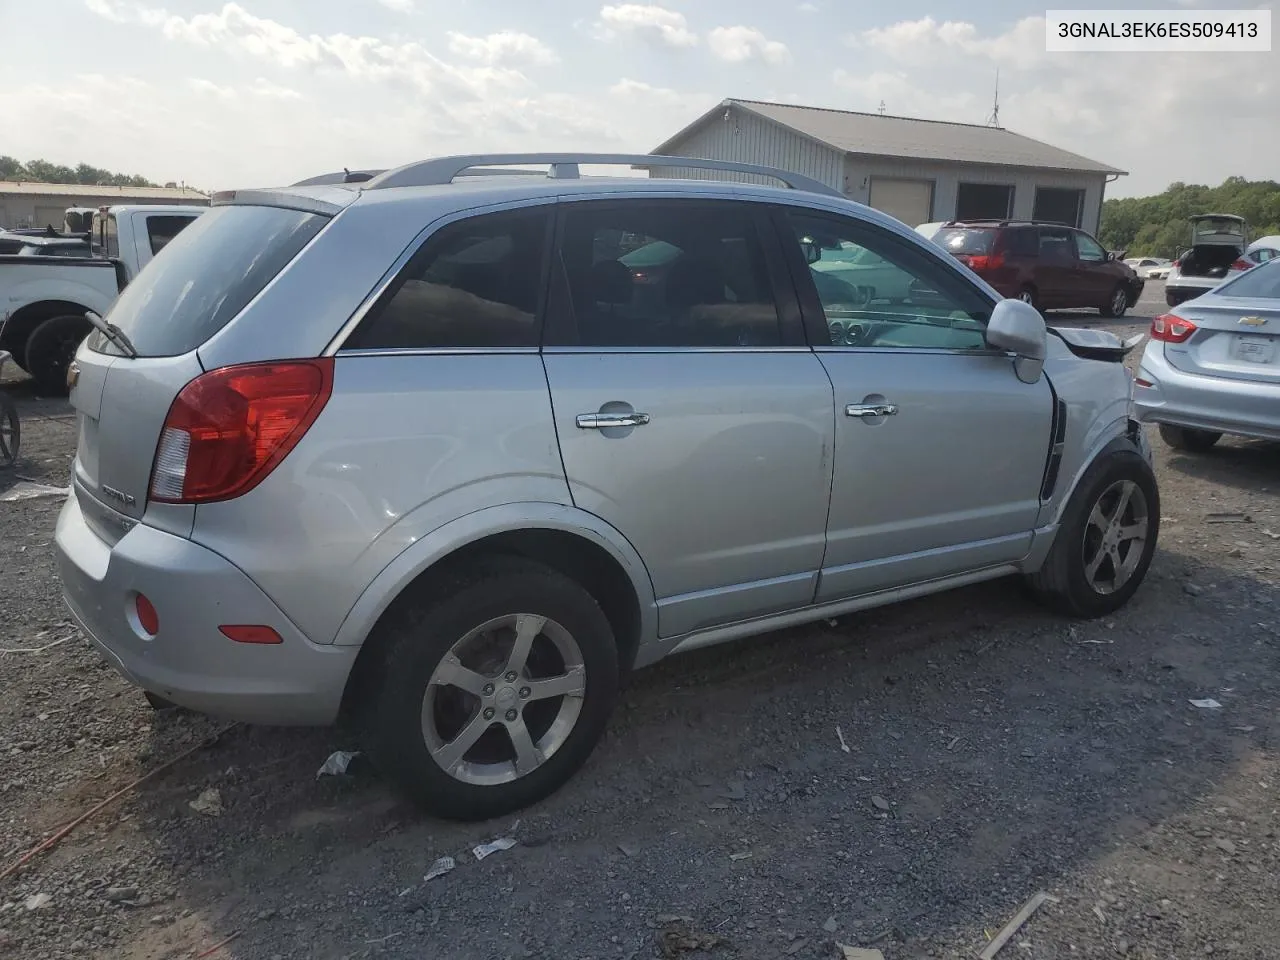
{"x":421,"y":452}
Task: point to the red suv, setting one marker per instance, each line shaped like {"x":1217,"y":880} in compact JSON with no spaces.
{"x":1050,"y":266}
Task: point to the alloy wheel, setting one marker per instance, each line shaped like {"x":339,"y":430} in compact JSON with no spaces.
{"x":1119,"y":302}
{"x":504,"y":699}
{"x":1115,"y":536}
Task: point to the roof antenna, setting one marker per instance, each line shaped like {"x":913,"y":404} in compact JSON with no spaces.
{"x":881,"y":109}
{"x":994,"y":119}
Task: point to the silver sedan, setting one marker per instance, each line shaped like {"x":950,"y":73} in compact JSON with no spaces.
{"x":1212,"y":365}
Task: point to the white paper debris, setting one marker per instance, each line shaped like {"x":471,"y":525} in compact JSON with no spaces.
{"x":336,"y":764}
{"x":493,"y":846}
{"x":38,"y":901}
{"x":209,"y":803}
{"x":843,"y":746}
{"x":26,"y":490}
{"x":440,"y":868}
{"x":1208,"y":704}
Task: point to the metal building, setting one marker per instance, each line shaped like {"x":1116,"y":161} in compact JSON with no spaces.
{"x":29,"y":204}
{"x":919,"y":171}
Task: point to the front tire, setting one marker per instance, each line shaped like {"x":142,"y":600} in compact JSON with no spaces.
{"x":492,"y":688}
{"x":50,"y":349}
{"x":1187,"y":438}
{"x":1105,"y":542}
{"x":1117,"y":304}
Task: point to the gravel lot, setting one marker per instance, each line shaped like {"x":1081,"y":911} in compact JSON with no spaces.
{"x":995,"y":751}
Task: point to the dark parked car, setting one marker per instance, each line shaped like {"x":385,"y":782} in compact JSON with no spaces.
{"x":1048,"y":265}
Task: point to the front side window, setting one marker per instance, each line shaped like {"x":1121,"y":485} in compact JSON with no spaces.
{"x":475,"y":283}
{"x":876,"y":291}
{"x":666,"y":274}
{"x":1089,"y":249}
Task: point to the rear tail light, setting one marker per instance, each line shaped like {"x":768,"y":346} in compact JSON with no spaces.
{"x":1171,"y":329}
{"x":1176,"y":263}
{"x":987,"y":262}
{"x":229,"y":428}
{"x":1242,"y":264}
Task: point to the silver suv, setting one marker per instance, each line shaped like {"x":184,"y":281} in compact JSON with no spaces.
{"x":449,"y":453}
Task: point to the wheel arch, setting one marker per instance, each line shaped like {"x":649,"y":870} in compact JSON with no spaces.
{"x":575,"y":543}
{"x":23,"y":322}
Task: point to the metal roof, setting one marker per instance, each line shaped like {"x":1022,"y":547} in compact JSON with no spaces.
{"x":874,"y":134}
{"x":33,"y":188}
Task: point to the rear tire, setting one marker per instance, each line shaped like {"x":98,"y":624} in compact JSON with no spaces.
{"x":1028,"y":296}
{"x":432,"y":648}
{"x":1117,"y":304}
{"x":1189,"y":439}
{"x":10,"y":431}
{"x":50,"y":349}
{"x":1116,"y":496}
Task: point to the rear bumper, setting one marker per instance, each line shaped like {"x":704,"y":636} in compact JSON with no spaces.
{"x":1205,"y":403}
{"x":189,"y":661}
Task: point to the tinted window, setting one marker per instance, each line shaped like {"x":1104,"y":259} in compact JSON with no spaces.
{"x":1265,"y":254}
{"x":206,"y":275}
{"x":667,"y":275}
{"x":875,"y":291}
{"x":1022,"y":242}
{"x":1262,"y":281}
{"x":965,"y":240}
{"x":162,"y":229}
{"x":1056,"y":246}
{"x":1088,"y":248}
{"x":475,"y":283}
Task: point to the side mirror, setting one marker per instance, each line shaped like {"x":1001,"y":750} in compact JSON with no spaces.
{"x":1019,"y":328}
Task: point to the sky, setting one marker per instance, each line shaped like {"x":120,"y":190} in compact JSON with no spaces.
{"x":262,"y":92}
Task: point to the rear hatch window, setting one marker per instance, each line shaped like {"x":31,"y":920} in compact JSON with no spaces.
{"x":965,"y":240}
{"x":1215,"y":230}
{"x":206,"y":275}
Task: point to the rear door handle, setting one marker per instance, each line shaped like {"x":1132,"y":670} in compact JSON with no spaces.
{"x":866,"y":411}
{"x":602,"y":421}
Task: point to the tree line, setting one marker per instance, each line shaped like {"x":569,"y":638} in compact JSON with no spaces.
{"x":42,"y":171}
{"x":1157,"y":226}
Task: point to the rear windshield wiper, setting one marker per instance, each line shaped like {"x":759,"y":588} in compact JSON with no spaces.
{"x":112,"y":333}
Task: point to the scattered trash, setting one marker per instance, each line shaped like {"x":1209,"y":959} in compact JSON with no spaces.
{"x":1207,"y":704}
{"x":718,"y":805}
{"x":209,"y":803}
{"x":831,"y":925}
{"x":745,"y":855}
{"x":1014,"y":925}
{"x":880,"y":803}
{"x":389,"y":936}
{"x":1097,"y":912}
{"x":1271,"y":534}
{"x":955,"y":741}
{"x":38,"y":901}
{"x":1098,"y":642}
{"x":47,"y":646}
{"x":840,"y":736}
{"x":336,"y":764}
{"x":797,"y":946}
{"x":735,"y":791}
{"x":493,"y":846}
{"x":627,"y":849}
{"x":858,"y":953}
{"x":678,"y":936}
{"x":216,"y":947}
{"x":440,"y":868}
{"x":26,"y":490}
{"x":1244,"y":729}
{"x":118,"y":894}
{"x":1192,"y":589}
{"x":1228,"y":518}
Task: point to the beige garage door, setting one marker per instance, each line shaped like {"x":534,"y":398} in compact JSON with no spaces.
{"x":911,"y":201}
{"x":50,"y":215}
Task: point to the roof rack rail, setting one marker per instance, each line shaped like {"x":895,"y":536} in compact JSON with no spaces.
{"x":442,"y":170}
{"x":343,"y":176}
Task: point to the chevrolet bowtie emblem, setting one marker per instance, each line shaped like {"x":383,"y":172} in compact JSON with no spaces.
{"x":73,"y":375}
{"x":1253,"y":321}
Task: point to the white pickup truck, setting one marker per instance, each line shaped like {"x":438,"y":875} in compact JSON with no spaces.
{"x":44,"y":299}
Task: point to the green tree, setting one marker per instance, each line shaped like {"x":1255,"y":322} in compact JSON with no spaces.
{"x":43,"y":171}
{"x":1157,"y":226}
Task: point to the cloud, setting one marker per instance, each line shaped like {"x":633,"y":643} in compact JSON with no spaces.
{"x":399,"y":6}
{"x":740,"y":44}
{"x":505,"y":47}
{"x":652,"y":22}
{"x":808,"y":8}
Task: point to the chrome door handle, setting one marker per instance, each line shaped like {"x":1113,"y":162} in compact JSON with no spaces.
{"x":602,"y":421}
{"x":868,"y":410}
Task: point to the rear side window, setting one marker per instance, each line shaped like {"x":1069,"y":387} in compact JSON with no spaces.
{"x":965,"y":240}
{"x":665,"y":274}
{"x":1022,"y":242}
{"x":1261,"y":282}
{"x":206,"y":275}
{"x":475,"y":283}
{"x":162,"y":229}
{"x":1056,"y":246}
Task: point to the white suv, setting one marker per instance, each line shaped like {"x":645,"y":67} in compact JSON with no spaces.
{"x":451,"y":454}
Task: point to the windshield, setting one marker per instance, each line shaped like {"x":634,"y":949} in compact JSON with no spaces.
{"x":965,"y":240}
{"x":1261,"y":283}
{"x":205,"y":275}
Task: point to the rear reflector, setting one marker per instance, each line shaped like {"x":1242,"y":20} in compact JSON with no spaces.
{"x":1143,"y":383}
{"x":148,"y":619}
{"x":250,"y":633}
{"x":1171,"y":328}
{"x":229,"y":428}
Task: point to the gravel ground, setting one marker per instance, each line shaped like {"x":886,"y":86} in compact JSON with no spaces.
{"x":994,"y":751}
